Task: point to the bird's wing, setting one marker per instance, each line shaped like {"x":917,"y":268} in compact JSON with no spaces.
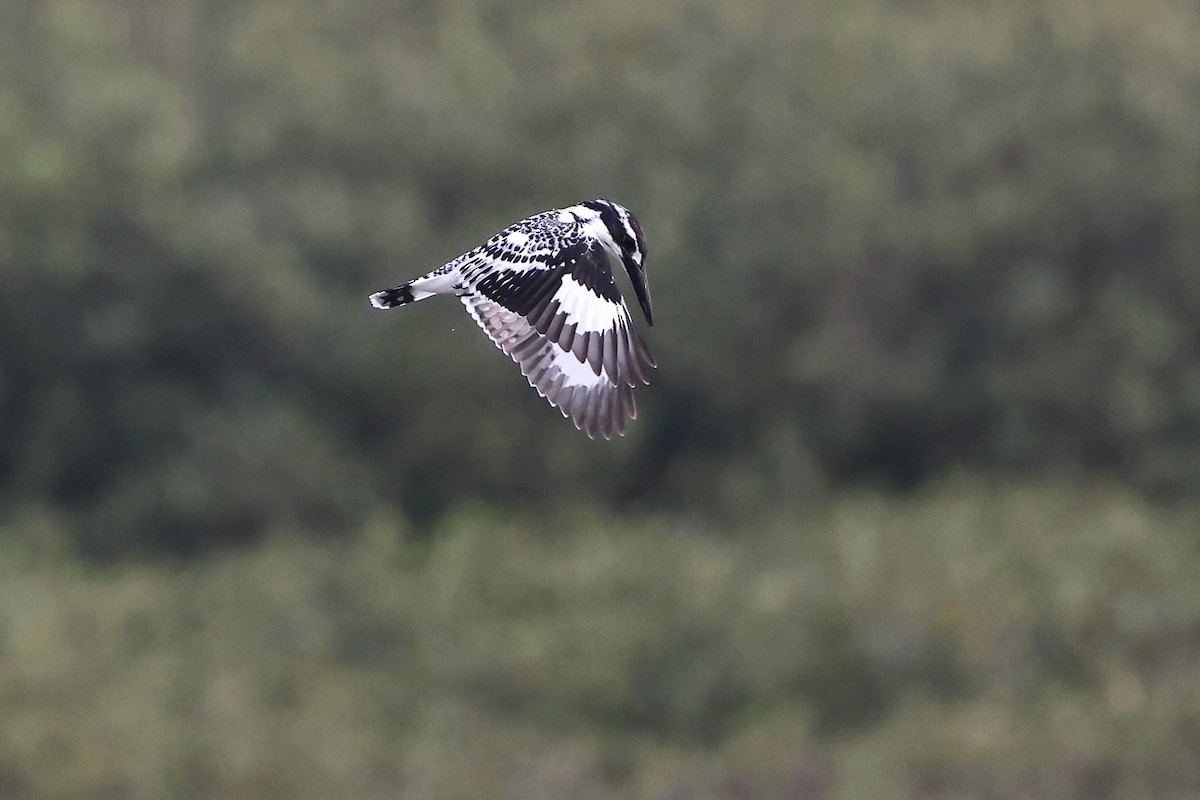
{"x":593,"y":402}
{"x":573,"y":300}
{"x":565,"y":324}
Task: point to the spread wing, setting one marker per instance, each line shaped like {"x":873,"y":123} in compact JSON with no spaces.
{"x":565,"y":324}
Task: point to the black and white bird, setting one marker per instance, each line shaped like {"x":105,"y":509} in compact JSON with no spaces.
{"x":544,"y":292}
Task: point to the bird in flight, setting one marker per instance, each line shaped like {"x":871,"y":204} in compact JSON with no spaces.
{"x":544,"y":291}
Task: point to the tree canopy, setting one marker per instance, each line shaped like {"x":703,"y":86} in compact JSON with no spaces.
{"x":886,"y":239}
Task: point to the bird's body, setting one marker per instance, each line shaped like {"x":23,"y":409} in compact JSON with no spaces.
{"x":544,"y":292}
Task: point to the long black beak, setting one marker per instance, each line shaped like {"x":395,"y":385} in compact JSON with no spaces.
{"x":637,"y":276}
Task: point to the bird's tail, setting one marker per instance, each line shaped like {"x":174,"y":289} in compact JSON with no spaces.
{"x":440,"y":281}
{"x":396,"y":296}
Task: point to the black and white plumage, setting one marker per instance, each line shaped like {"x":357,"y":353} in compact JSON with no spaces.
{"x":544,"y":291}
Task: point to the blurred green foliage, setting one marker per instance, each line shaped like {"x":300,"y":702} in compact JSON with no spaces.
{"x":886,"y":238}
{"x":910,"y":508}
{"x":974,"y":641}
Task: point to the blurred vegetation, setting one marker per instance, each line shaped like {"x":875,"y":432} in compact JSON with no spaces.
{"x":911,"y":506}
{"x":887,"y":239}
{"x":972,"y":641}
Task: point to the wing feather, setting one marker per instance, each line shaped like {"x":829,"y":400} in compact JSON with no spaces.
{"x":593,"y":402}
{"x":563,"y":322}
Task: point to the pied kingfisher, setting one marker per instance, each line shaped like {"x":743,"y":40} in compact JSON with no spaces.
{"x":542,"y":289}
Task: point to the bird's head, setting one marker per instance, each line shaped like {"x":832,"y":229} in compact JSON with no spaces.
{"x":622,"y":236}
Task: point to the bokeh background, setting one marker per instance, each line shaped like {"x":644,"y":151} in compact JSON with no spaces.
{"x":911,"y":507}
